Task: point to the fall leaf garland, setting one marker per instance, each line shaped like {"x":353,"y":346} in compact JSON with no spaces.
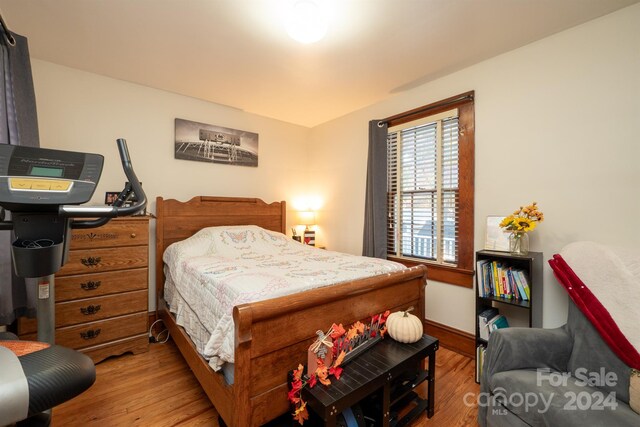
{"x":300,"y":380}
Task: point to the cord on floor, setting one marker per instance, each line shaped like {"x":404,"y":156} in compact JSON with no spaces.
{"x":156,"y":338}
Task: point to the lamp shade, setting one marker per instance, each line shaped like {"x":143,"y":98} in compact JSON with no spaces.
{"x":306,"y":218}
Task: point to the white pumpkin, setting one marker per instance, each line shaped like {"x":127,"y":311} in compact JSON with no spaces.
{"x":404,"y":327}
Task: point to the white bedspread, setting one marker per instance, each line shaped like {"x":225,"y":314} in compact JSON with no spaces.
{"x":221,"y":267}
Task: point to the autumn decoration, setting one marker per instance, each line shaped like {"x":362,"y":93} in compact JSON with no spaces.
{"x":404,"y":327}
{"x":331,"y":351}
{"x":321,"y":349}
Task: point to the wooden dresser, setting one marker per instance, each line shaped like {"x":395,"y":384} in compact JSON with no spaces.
{"x":102,"y":291}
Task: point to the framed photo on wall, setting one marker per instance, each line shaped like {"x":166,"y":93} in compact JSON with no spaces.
{"x":215,"y":144}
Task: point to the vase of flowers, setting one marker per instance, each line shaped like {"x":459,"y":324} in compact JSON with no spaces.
{"x":519,"y":224}
{"x":519,"y":243}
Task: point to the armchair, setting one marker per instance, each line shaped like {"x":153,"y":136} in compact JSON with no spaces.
{"x":550,"y":377}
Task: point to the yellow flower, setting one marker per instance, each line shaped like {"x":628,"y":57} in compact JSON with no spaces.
{"x":506,"y":222}
{"x":524,"y":219}
{"x":524,"y":224}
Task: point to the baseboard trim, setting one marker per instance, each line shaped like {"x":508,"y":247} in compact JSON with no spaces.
{"x":453,"y":339}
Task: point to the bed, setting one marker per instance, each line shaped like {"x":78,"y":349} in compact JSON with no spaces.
{"x":270,"y":337}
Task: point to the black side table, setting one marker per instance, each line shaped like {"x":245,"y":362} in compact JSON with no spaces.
{"x":376,"y":369}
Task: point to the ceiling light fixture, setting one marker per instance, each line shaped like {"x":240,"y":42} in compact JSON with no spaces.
{"x":306,"y":21}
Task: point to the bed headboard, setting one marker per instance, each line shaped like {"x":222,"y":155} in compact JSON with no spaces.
{"x":178,"y":220}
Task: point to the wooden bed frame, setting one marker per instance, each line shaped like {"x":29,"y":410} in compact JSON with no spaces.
{"x":271,"y":337}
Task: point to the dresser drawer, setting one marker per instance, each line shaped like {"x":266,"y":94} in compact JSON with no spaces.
{"x":84,"y":261}
{"x":98,"y":284}
{"x":94,"y":333}
{"x":91,"y":309}
{"x":118,"y":232}
{"x":135,"y":345}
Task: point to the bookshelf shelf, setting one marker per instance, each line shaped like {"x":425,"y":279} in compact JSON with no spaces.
{"x":531,"y":266}
{"x":514,"y":302}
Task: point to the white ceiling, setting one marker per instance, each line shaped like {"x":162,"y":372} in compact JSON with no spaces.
{"x":237,"y":53}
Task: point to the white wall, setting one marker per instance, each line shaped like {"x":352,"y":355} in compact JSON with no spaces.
{"x":81,"y":111}
{"x":557,"y":122}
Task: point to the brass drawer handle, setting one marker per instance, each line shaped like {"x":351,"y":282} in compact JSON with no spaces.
{"x":133,"y":235}
{"x":90,"y":310}
{"x":90,"y":334}
{"x":91,"y":285}
{"x":91,"y":261}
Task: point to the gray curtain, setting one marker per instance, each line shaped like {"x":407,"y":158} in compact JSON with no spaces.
{"x":18,"y":126}
{"x":375,"y":210}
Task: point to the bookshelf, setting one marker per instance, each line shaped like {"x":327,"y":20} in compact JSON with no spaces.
{"x":526,"y":312}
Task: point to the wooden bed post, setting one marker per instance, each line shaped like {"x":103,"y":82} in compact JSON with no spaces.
{"x":243,"y":319}
{"x":283,"y":212}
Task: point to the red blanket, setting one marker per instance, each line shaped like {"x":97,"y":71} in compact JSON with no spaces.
{"x":596,"y":312}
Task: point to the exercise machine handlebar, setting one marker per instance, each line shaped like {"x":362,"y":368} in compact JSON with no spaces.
{"x":105,"y":213}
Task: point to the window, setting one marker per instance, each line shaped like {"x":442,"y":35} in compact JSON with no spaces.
{"x":430,"y":189}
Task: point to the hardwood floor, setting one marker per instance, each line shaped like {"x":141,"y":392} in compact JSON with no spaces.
{"x":157,"y":389}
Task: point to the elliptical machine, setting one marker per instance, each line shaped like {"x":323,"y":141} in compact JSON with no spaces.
{"x":44,"y":190}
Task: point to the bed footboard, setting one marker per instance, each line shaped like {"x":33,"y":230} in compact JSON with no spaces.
{"x":272,"y":337}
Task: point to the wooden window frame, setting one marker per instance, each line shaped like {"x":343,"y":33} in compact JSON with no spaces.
{"x":462,"y":274}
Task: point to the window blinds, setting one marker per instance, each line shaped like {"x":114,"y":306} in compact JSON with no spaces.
{"x":422,"y":190}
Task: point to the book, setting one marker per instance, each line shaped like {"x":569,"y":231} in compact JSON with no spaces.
{"x":525,"y":283}
{"x":498,"y":322}
{"x":503,"y":291}
{"x":488,"y":287}
{"x":503,"y":286}
{"x":480,"y":355}
{"x":496,"y":280}
{"x":503,"y":278}
{"x":480,"y":275}
{"x":484,"y":319}
{"x":518,"y":281}
{"x":512,"y":284}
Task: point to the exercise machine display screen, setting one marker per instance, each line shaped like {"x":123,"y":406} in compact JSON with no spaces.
{"x":47,"y":172}
{"x":43,"y":179}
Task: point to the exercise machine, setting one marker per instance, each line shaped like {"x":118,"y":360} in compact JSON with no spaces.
{"x":44,"y":190}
